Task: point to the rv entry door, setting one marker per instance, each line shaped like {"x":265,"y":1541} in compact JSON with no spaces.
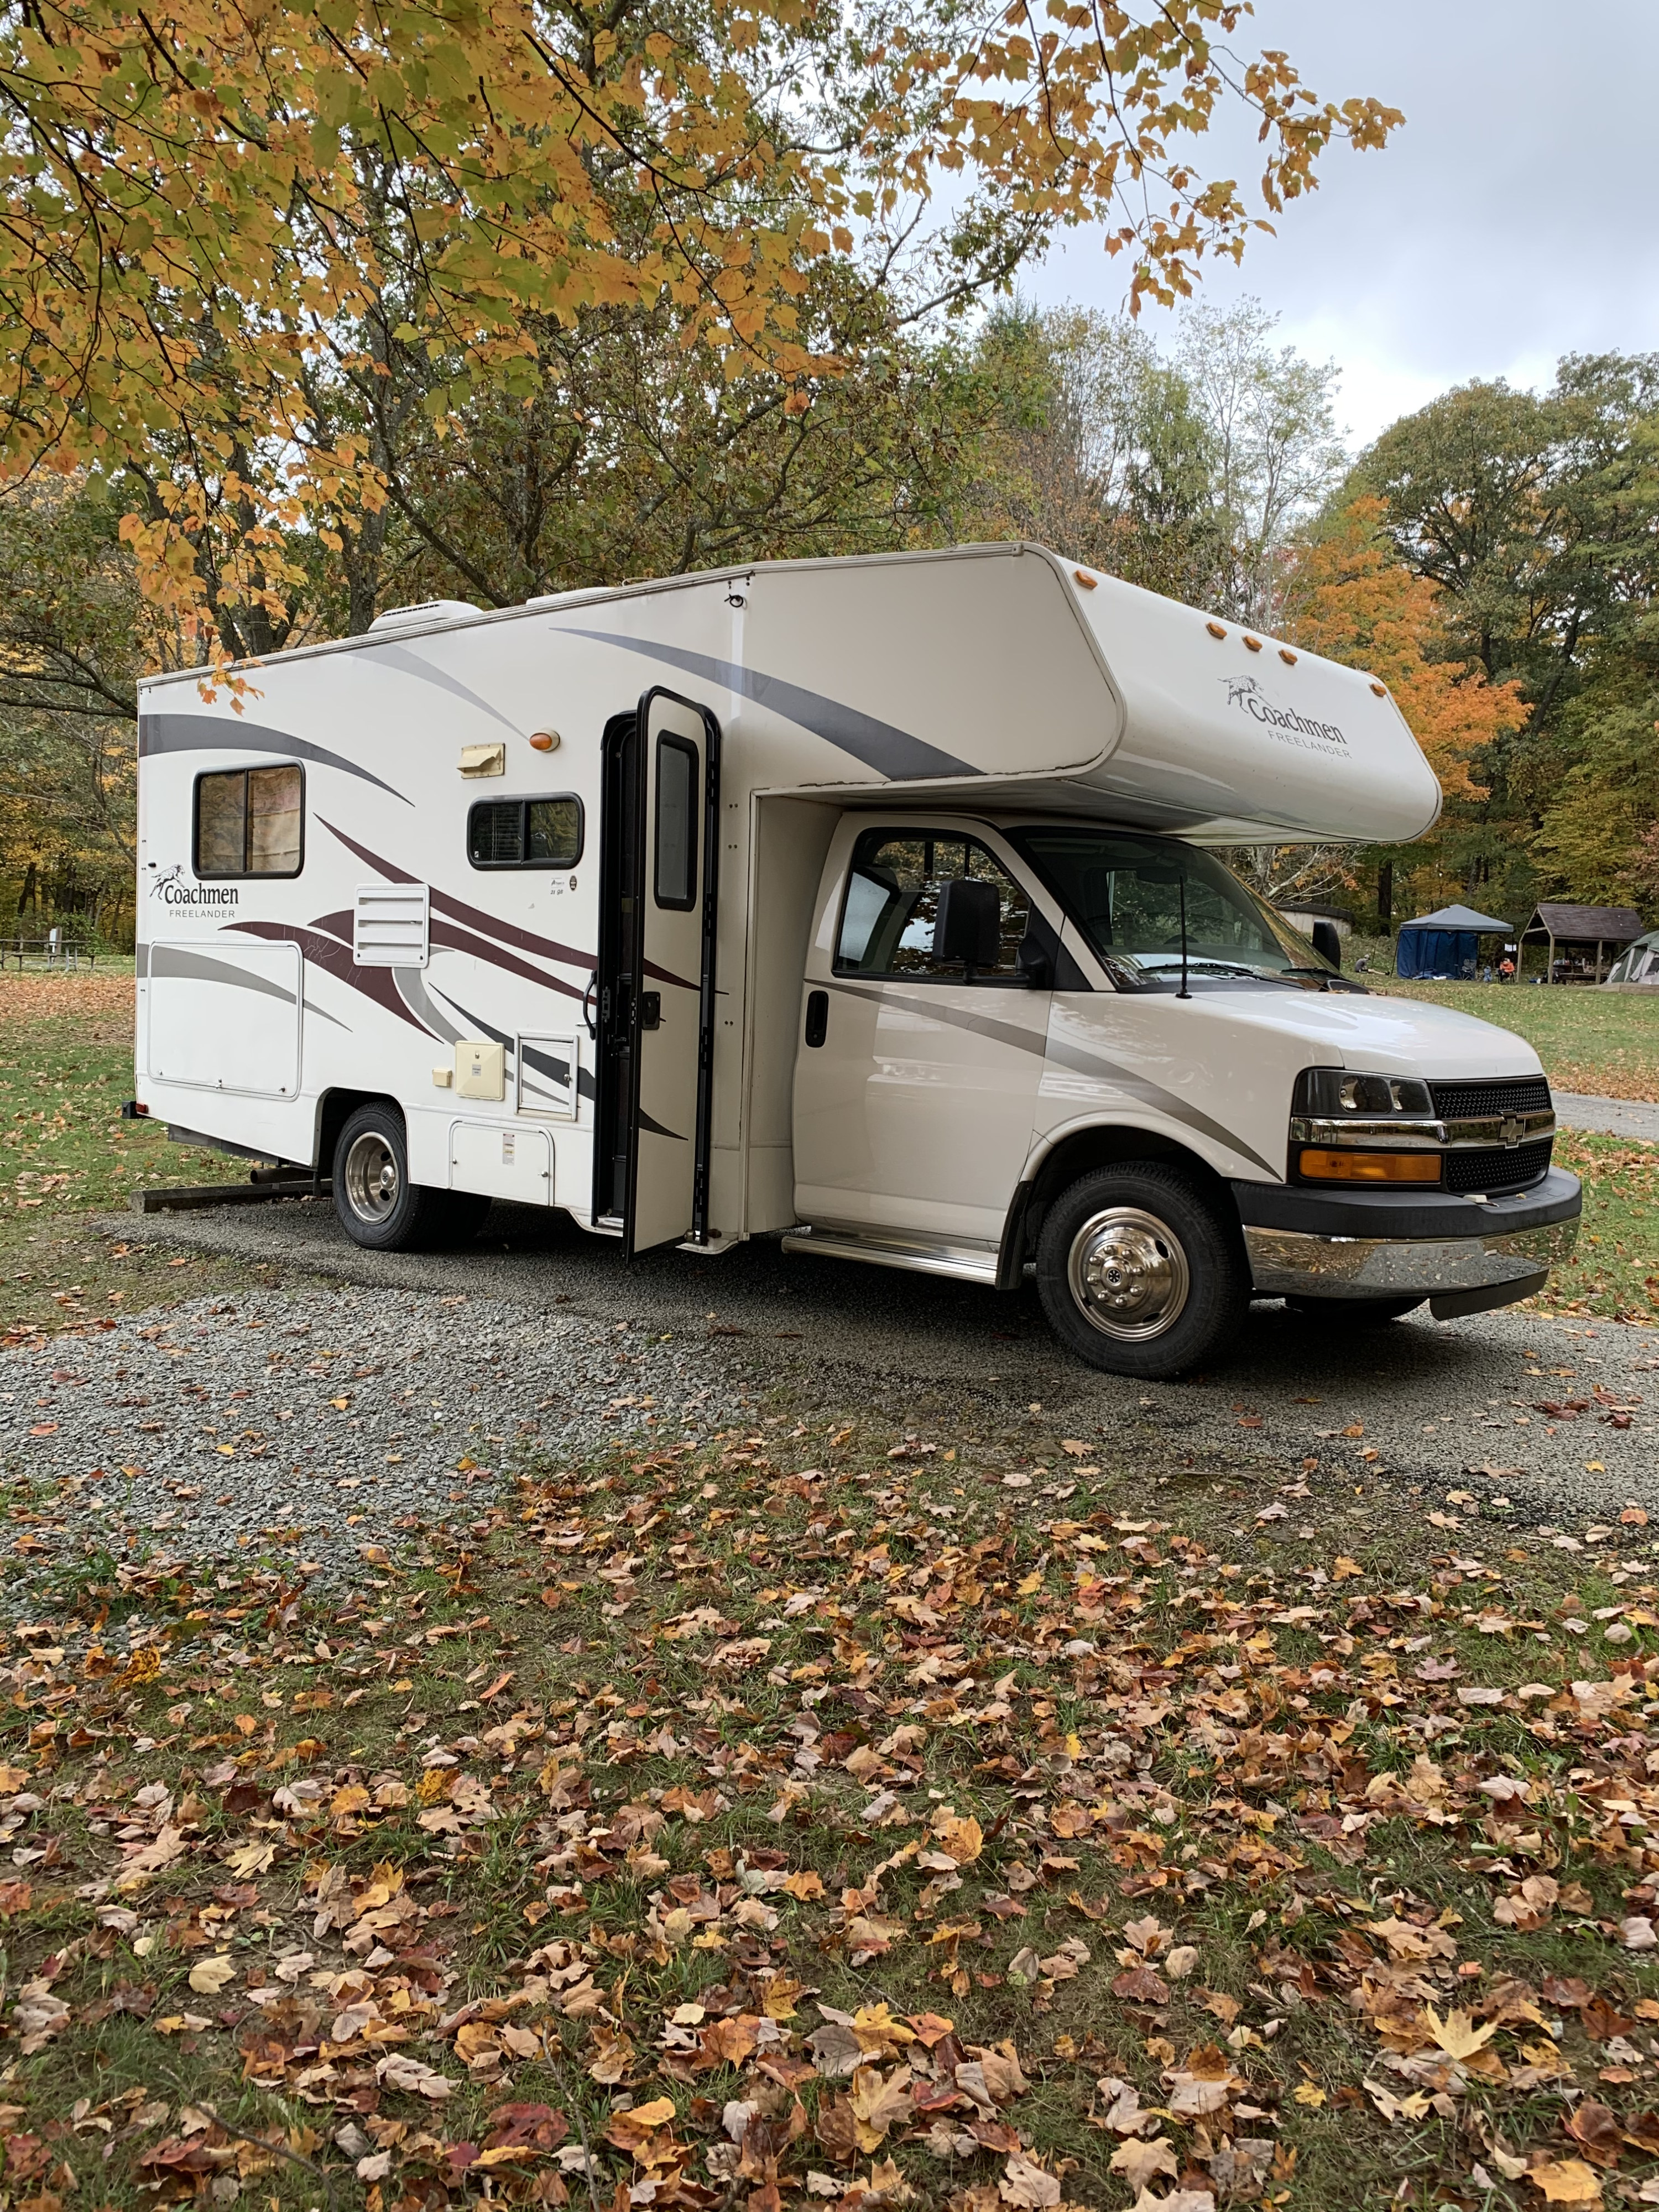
{"x":656,"y":979}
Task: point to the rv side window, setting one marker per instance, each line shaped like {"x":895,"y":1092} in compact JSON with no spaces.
{"x":249,"y":822}
{"x":892,"y":905}
{"x":677,"y":824}
{"x":524,"y":833}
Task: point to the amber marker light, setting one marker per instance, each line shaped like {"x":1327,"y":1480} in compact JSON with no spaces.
{"x":1337,"y":1164}
{"x":546,"y":741}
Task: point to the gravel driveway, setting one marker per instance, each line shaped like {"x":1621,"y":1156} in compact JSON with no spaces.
{"x":1418,"y":1401}
{"x":306,"y":1425}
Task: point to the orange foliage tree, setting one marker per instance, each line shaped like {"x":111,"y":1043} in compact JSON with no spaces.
{"x":220,"y":213}
{"x":1350,"y":598}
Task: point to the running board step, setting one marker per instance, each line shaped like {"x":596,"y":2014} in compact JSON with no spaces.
{"x":967,"y":1263}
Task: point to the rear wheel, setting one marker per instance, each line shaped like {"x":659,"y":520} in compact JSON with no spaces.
{"x":378,"y":1206}
{"x":1138,"y":1273}
{"x":1352,"y":1313}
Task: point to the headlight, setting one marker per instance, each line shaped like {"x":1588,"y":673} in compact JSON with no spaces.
{"x":1332,"y":1091}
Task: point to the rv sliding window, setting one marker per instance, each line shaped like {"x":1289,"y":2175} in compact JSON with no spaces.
{"x":250,"y":821}
{"x":524,"y":833}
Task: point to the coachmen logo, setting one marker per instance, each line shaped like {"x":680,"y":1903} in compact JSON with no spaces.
{"x":1289,"y":727}
{"x":173,"y":891}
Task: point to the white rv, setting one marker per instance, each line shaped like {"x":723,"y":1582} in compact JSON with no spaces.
{"x":869,"y":902}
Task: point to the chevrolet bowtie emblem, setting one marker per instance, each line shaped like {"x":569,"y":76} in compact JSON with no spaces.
{"x":1513,"y":1129}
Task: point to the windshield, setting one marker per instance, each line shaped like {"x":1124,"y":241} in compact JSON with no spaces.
{"x":1126,"y":893}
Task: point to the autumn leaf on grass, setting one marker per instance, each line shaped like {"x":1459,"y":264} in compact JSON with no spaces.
{"x":879,"y":2103}
{"x":959,"y":1838}
{"x":1025,"y":2183}
{"x":1566,"y":2181}
{"x":1149,"y":1936}
{"x":1140,"y":1985}
{"x":1137,"y":2161}
{"x":209,"y":1975}
{"x":1457,"y":2035}
{"x":409,"y":2074}
{"x":628,"y":2130}
{"x":1594,"y":2127}
{"x":250,"y":1858}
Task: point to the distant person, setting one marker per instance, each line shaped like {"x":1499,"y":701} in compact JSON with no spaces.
{"x":1506,"y":969}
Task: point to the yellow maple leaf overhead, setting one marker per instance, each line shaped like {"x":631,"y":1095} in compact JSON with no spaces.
{"x":216,"y":212}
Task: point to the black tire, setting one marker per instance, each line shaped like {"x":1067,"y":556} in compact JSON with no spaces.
{"x":378,"y":1206}
{"x":1171,"y":1282}
{"x":1352,"y":1313}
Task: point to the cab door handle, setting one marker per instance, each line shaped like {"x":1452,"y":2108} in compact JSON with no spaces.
{"x":817,"y":1018}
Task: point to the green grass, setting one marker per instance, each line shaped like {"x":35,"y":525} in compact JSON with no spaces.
{"x":65,"y":1155}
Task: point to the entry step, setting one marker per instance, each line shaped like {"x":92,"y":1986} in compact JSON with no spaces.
{"x":921,"y":1255}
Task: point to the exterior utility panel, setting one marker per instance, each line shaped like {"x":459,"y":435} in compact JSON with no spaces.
{"x":551,"y":905}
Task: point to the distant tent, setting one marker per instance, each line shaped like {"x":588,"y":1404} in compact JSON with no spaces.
{"x":1640,"y":963}
{"x":1445,"y":943}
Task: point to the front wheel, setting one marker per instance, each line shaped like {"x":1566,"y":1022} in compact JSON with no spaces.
{"x":1138,"y":1273}
{"x":378,"y":1206}
{"x":1352,"y":1313}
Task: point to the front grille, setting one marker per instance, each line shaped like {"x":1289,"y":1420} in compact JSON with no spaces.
{"x":1497,"y":1167}
{"x":1465,"y":1102}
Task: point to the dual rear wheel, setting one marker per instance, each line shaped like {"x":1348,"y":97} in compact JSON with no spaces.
{"x":378,"y":1206}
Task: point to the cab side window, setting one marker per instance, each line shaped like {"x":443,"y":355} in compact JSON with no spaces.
{"x":888,"y":921}
{"x":250,"y":821}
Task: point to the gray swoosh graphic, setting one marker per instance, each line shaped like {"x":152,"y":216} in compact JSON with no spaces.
{"x":879,"y":746}
{"x":400,"y":657}
{"x":197,"y":967}
{"x":1081,"y":1062}
{"x":418,"y":1000}
{"x":195,"y":733}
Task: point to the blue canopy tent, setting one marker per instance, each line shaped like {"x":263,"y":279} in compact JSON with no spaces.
{"x":1445,"y":943}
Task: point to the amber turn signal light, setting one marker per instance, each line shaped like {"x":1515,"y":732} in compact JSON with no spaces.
{"x":1337,"y":1164}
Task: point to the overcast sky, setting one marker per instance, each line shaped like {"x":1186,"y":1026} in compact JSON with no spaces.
{"x":1511,"y":220}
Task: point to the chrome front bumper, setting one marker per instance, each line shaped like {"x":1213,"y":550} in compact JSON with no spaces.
{"x":1451,"y":1271}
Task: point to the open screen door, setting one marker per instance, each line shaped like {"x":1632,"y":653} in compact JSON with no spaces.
{"x":662,"y":794}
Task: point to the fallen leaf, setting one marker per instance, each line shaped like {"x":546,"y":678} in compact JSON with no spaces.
{"x":1566,"y":2181}
{"x":1024,"y":2182}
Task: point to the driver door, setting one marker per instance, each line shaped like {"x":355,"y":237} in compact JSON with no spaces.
{"x":916,"y":1082}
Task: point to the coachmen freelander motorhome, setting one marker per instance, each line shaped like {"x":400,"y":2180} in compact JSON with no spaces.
{"x":864,"y":901}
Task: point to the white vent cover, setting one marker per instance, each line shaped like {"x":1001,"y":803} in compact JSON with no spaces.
{"x":388,"y":926}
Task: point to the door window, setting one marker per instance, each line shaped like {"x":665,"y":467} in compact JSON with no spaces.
{"x":677,"y":824}
{"x":892,"y":905}
{"x":249,"y":822}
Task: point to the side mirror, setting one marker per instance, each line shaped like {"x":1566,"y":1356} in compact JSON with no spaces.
{"x":1326,"y":943}
{"x":970,"y":924}
{"x":1037,"y":968}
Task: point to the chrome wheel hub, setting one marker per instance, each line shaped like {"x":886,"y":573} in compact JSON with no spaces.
{"x":1129,"y":1273}
{"x":371,"y":1178}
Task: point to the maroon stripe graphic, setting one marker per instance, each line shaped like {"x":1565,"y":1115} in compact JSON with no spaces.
{"x":462,"y":940}
{"x":506,"y":933}
{"x":393,"y":875}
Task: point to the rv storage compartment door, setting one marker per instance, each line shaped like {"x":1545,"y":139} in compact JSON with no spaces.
{"x":501,"y":1160}
{"x":671,"y":1002}
{"x":224,"y":1015}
